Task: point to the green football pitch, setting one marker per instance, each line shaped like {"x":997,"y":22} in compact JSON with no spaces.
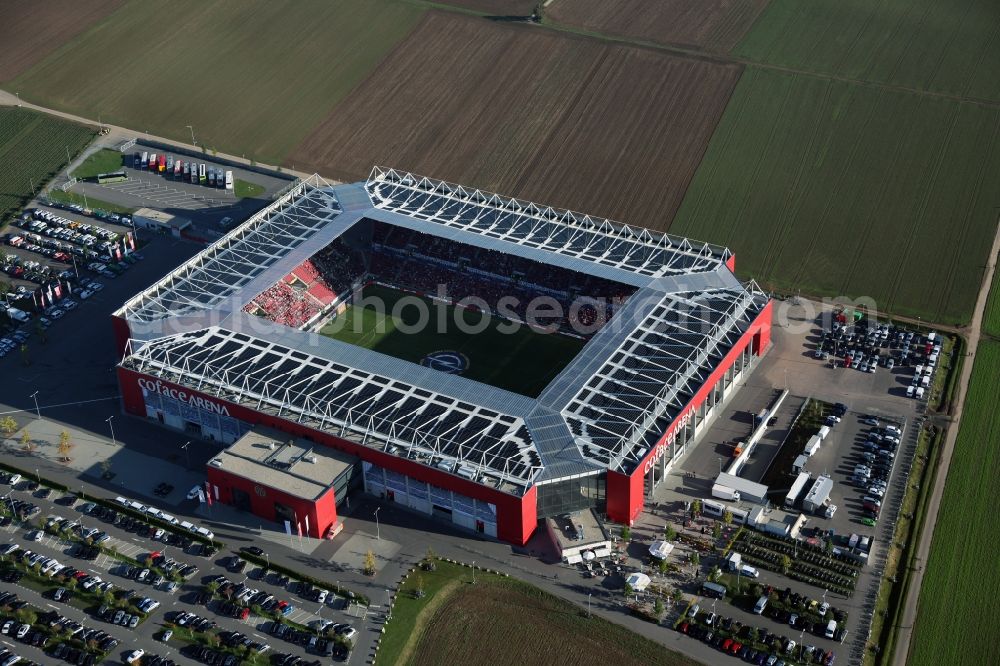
{"x":523,"y":361}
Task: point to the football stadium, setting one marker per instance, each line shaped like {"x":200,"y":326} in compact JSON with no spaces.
{"x":480,"y":359}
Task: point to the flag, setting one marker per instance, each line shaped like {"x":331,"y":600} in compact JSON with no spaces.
{"x":69,"y":287}
{"x":118,"y":252}
{"x":131,"y":239}
{"x":50,"y":293}
{"x":34,"y":299}
{"x":201,"y":496}
{"x":216,"y":488}
{"x":307,"y":525}
{"x":299,"y":526}
{"x":288,"y":528}
{"x":58,"y":290}
{"x":208,"y":492}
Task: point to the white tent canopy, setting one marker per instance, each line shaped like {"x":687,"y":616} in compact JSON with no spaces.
{"x":638,"y":581}
{"x":660,"y":549}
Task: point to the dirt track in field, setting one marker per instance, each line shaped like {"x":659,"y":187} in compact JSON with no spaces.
{"x":605,"y":129}
{"x":496,"y":7}
{"x":31,"y":30}
{"x":715,"y":25}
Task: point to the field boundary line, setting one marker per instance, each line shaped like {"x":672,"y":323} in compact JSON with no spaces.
{"x":921,"y":549}
{"x":426,"y":613}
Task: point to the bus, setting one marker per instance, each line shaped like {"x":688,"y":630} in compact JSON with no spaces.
{"x":112,"y":177}
{"x":186,"y":174}
{"x":170,"y":164}
{"x":162,"y":164}
{"x":178,"y":168}
{"x":145,"y":160}
{"x":152,"y":161}
{"x":194,"y":172}
{"x":714,"y":590}
{"x":211,"y":177}
{"x":201,"y":173}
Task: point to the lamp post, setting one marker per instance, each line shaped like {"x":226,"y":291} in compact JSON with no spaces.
{"x":378,"y":533}
{"x":588,"y":604}
{"x":112,"y":426}
{"x":193,"y":142}
{"x":187,"y":453}
{"x":18,"y":98}
{"x":38,"y":412}
{"x":473,"y":572}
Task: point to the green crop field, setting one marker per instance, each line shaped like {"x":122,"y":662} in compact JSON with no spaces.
{"x":839,"y":189}
{"x":523,"y":361}
{"x":961,"y":586}
{"x":250,"y":77}
{"x":33,"y":149}
{"x":456,"y":622}
{"x":946,"y":46}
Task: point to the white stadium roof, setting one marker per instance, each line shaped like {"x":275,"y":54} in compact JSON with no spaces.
{"x":604,"y":410}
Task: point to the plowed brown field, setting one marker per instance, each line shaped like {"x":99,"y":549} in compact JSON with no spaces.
{"x":714,"y":25}
{"x":604,"y":129}
{"x":29,"y":31}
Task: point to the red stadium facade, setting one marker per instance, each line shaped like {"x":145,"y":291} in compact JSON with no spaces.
{"x":516,"y":516}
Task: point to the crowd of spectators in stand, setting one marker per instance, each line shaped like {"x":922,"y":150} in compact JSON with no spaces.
{"x":508,"y":285}
{"x":284,"y":305}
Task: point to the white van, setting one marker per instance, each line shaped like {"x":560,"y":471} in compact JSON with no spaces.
{"x":206,"y":533}
{"x":920,"y":393}
{"x":188,"y":526}
{"x":761,"y":604}
{"x":831,"y":629}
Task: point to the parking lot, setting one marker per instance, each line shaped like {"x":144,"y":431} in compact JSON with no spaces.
{"x":139,"y":542}
{"x":878,"y":393}
{"x":205,"y":206}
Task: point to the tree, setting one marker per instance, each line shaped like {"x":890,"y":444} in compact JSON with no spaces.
{"x":26,"y":442}
{"x":663,"y":566}
{"x":696,"y":508}
{"x":628,"y":590}
{"x":828,"y":546}
{"x":418,"y":586}
{"x":669,"y":533}
{"x":716,"y":529}
{"x":65,"y":446}
{"x":677,"y":595}
{"x":727,"y":517}
{"x":8,"y":426}
{"x":658,"y":608}
{"x":369,"y":567}
{"x":786,"y":564}
{"x":753,"y":634}
{"x":27,"y":616}
{"x":716,"y":573}
{"x":626,"y":533}
{"x":106,"y":468}
{"x":695,"y":560}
